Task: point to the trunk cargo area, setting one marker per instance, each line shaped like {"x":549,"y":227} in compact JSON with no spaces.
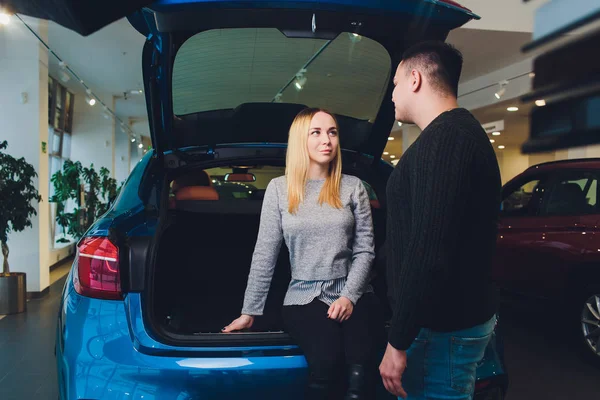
{"x":202,"y":268}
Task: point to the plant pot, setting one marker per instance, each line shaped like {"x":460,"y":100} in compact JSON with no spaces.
{"x":13,"y":293}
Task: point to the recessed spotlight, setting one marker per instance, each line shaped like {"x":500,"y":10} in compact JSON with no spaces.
{"x":399,"y":123}
{"x":391,"y":138}
{"x":392,"y":156}
{"x":385,"y":153}
{"x":140,"y":145}
{"x":532,"y":74}
{"x":512,"y":109}
{"x":492,"y":141}
{"x":501,"y":147}
{"x":540,"y":103}
{"x":495,"y":133}
{"x":132,"y":140}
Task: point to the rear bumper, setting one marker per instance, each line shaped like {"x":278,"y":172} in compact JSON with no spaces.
{"x":100,"y":356}
{"x":97,"y":359}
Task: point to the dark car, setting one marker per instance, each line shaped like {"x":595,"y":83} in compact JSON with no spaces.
{"x":549,"y":243}
{"x":159,"y":275}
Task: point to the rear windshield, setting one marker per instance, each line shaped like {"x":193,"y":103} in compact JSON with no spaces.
{"x":237,"y":183}
{"x":222,"y":69}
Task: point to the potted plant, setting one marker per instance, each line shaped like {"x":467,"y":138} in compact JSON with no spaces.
{"x":91,"y":193}
{"x":16,"y":194}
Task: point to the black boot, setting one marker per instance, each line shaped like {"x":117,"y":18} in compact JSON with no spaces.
{"x":359,"y":387}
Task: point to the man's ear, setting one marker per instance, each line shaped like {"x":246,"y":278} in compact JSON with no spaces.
{"x":416,"y":80}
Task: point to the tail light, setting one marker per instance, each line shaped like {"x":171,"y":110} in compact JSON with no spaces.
{"x":97,"y":273}
{"x":481,"y":385}
{"x":455,"y":4}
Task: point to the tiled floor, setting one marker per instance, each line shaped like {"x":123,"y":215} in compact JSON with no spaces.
{"x":27,"y":364}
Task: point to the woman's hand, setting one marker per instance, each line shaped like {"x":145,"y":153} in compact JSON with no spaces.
{"x":243,"y":322}
{"x":341,"y":309}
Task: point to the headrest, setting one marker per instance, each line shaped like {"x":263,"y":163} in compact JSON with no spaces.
{"x":196,"y":193}
{"x":196,"y":178}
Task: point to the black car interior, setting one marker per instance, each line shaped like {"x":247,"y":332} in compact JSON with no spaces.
{"x":204,"y":258}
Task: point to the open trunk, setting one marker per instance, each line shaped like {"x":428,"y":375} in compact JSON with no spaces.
{"x":202,"y":267}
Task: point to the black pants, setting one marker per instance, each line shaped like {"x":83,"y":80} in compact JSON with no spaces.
{"x":330,"y":346}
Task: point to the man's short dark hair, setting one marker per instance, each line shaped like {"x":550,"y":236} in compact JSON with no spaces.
{"x":440,"y":62}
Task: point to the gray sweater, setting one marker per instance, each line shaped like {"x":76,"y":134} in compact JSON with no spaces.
{"x":326,"y":244}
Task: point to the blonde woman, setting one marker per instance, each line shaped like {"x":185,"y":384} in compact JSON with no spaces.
{"x":325,"y":219}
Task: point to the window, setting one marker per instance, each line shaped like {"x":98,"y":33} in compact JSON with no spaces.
{"x":221,"y":69}
{"x":523,"y":200}
{"x":60,"y":121}
{"x":574,"y":195}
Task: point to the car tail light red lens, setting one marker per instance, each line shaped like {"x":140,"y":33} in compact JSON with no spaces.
{"x":97,"y":273}
{"x":480,"y":385}
{"x":455,"y":4}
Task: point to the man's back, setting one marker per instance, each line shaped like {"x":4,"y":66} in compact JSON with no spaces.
{"x":442,"y":221}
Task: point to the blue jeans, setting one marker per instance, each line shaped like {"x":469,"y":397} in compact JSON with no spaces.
{"x":442,"y":365}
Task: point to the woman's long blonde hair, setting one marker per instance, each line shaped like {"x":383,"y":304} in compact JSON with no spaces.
{"x":297,"y":163}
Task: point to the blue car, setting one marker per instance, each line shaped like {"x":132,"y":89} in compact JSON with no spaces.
{"x":157,"y":277}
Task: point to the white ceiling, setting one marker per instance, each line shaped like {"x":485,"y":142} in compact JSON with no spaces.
{"x":488,"y":51}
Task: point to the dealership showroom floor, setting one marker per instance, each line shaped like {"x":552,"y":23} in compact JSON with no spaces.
{"x":540,"y":364}
{"x":143,"y":148}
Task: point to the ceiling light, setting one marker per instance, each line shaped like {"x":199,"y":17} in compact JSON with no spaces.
{"x":300,"y":80}
{"x":391,"y":138}
{"x":501,"y":147}
{"x":354,"y":37}
{"x":64,"y":76}
{"x":107,"y":114}
{"x":512,"y":109}
{"x":4,"y":18}
{"x":532,"y":74}
{"x":492,"y":141}
{"x":395,"y":162}
{"x":540,"y":103}
{"x":385,"y":153}
{"x":399,"y":123}
{"x":495,"y":133}
{"x":91,"y":101}
{"x":502,"y":89}
{"x":132,"y":140}
{"x":140,"y":145}
{"x":392,"y":156}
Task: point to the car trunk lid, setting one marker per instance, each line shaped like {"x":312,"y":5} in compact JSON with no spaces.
{"x":201,"y":60}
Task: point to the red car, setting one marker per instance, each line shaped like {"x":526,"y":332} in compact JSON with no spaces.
{"x":549,"y":242}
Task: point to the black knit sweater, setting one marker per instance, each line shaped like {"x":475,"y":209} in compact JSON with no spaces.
{"x":443,"y":203}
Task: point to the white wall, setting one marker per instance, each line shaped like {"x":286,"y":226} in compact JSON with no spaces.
{"x":93,"y":135}
{"x":122,"y":155}
{"x":24,"y":69}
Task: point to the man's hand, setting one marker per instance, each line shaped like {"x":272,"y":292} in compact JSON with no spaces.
{"x":341,"y":309}
{"x":391,"y":369}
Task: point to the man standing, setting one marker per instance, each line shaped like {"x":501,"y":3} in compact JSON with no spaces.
{"x":443,"y":201}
